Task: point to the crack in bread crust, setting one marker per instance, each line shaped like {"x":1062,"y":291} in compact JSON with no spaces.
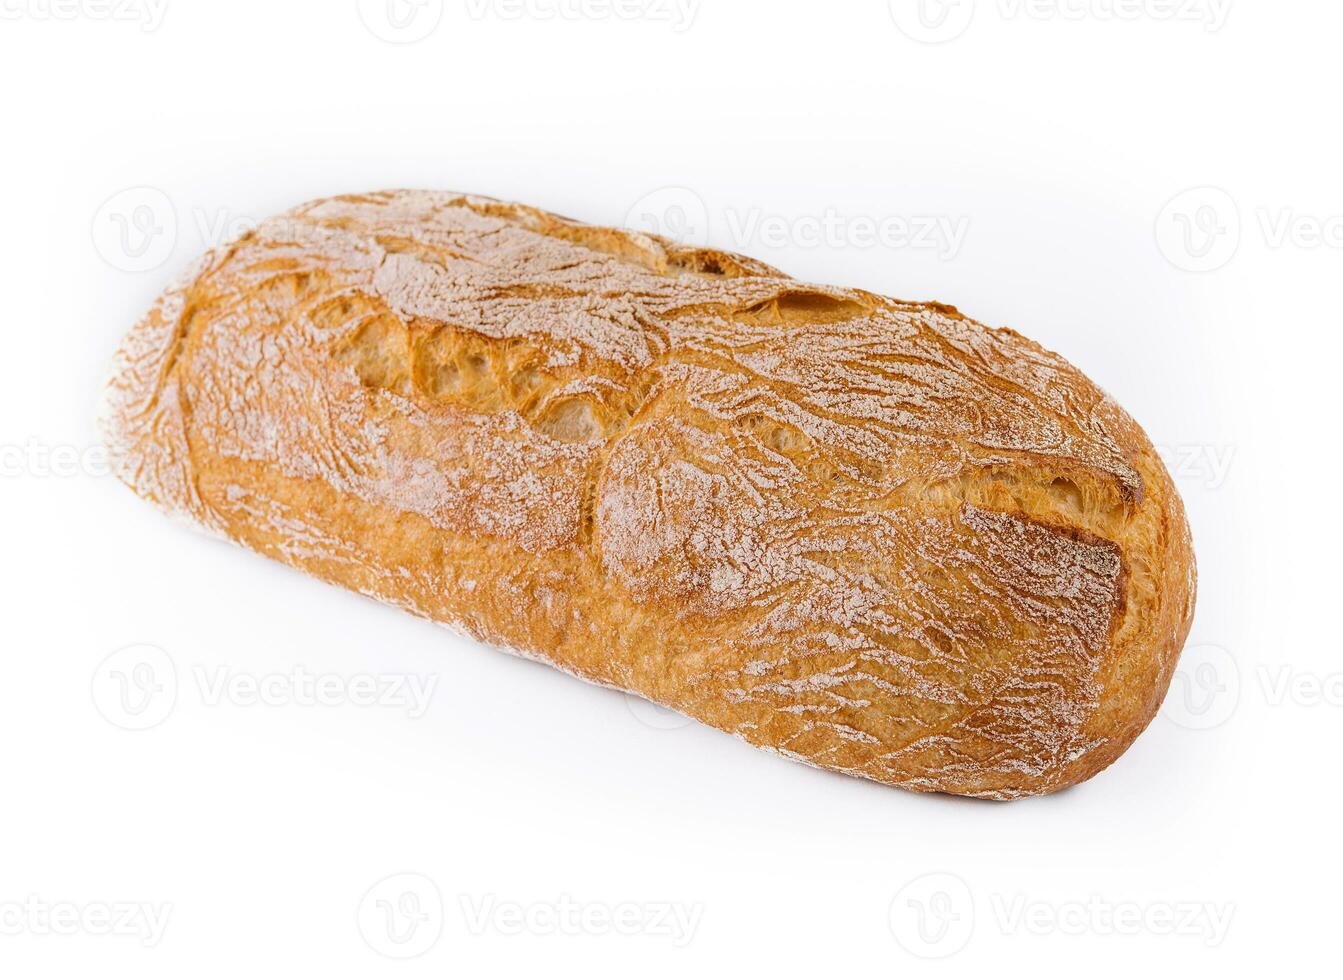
{"x":871,"y":535}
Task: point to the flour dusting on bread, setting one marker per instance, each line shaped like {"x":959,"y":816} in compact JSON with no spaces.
{"x":868,"y":534}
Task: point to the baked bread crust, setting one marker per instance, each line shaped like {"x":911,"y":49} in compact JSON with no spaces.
{"x":870,"y":535}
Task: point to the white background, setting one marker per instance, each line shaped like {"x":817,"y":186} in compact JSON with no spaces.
{"x":526,"y":806}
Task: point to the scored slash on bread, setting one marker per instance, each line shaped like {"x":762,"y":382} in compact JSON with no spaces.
{"x":870,"y":535}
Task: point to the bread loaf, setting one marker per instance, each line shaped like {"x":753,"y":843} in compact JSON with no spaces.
{"x":866,"y":534}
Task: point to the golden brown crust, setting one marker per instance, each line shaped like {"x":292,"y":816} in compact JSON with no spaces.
{"x":872,"y":535}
